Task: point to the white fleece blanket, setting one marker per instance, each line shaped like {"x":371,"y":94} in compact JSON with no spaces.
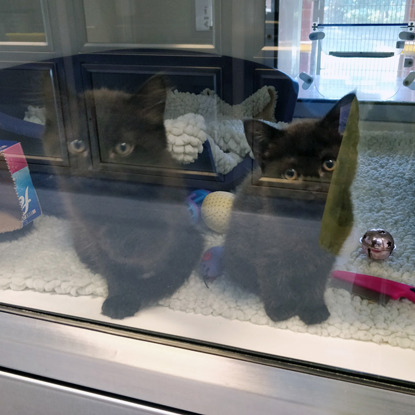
{"x":383,"y":194}
{"x":191,"y":119}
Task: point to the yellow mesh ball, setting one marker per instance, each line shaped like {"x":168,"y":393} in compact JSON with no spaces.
{"x":216,"y":210}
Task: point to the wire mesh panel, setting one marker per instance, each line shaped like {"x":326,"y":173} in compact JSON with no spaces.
{"x":361,"y":40}
{"x":359,"y":46}
{"x":364,"y":11}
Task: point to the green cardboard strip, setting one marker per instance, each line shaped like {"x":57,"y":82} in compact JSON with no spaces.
{"x":337,"y":221}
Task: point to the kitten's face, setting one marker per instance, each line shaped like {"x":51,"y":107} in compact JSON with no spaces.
{"x":304,"y":150}
{"x":130,"y":126}
{"x":307,"y":149}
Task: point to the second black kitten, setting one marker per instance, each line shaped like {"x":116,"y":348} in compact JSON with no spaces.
{"x":272,"y":245}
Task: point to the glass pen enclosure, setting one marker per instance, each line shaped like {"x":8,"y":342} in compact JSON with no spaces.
{"x":231,"y":175}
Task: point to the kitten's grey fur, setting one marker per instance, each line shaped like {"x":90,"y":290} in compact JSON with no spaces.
{"x":138,"y":237}
{"x":272,"y":245}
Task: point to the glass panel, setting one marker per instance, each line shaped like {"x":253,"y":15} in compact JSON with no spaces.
{"x":207,"y":198}
{"x":149,"y":22}
{"x":21,"y":21}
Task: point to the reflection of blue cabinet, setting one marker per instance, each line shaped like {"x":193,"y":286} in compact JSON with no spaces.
{"x":77,"y":45}
{"x":22,"y":115}
{"x":23,"y":89}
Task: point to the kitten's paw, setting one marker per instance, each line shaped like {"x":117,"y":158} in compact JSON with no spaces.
{"x":120,"y":306}
{"x":280,"y":312}
{"x":314,"y":315}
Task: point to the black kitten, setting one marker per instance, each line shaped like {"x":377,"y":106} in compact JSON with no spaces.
{"x":272,"y":245}
{"x":138,"y":237}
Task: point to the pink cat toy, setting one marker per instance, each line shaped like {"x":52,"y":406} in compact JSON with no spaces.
{"x":392,"y":289}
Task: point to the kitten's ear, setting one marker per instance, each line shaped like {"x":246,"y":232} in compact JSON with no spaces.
{"x":150,"y":100}
{"x":260,"y":136}
{"x":336,"y":118}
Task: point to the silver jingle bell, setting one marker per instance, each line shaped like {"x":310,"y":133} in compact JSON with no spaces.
{"x":377,"y":243}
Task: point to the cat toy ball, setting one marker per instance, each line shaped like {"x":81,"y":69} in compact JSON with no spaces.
{"x":216,"y":210}
{"x":377,"y":243}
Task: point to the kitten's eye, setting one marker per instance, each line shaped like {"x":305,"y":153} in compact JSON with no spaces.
{"x":290,"y":174}
{"x":123,"y":149}
{"x":329,"y":165}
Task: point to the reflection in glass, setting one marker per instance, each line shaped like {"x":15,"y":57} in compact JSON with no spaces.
{"x":151,"y":22}
{"x":120,"y":93}
{"x":22,"y":109}
{"x":21,"y":21}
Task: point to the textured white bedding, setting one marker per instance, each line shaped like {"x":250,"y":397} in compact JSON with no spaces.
{"x":384,"y":196}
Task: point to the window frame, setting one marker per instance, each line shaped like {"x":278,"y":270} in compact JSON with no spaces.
{"x":183,"y":375}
